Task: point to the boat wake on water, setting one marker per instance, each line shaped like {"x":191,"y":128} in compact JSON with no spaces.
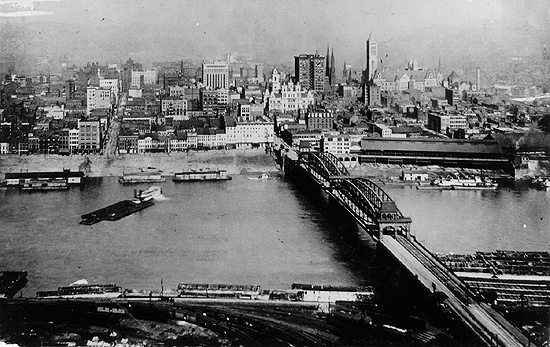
{"x":161,"y":197}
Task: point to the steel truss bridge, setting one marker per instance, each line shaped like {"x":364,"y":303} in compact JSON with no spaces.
{"x":379,"y":216}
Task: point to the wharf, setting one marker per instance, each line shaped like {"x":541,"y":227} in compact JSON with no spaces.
{"x":115,"y":212}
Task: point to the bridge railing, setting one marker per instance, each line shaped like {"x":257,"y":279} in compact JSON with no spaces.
{"x":325,"y":164}
{"x":357,"y":197}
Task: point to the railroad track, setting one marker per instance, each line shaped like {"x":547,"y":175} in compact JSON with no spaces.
{"x":492,"y":328}
{"x":279,"y":328}
{"x":445,"y":276}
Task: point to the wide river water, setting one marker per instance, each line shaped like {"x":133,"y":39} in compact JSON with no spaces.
{"x":240,"y":231}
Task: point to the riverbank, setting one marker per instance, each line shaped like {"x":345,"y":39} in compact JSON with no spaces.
{"x":392,"y":173}
{"x":234,"y":161}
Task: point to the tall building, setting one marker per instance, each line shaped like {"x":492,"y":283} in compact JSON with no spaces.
{"x":215,"y":75}
{"x":141,"y":78}
{"x":372,"y":59}
{"x":112,"y":84}
{"x":97,"y":98}
{"x":309,"y":71}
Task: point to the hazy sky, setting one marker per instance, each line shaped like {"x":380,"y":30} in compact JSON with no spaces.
{"x":158,"y":30}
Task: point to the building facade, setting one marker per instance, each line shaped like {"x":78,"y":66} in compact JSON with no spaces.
{"x":89,"y":136}
{"x":174,"y":106}
{"x":141,"y":78}
{"x":112,"y":84}
{"x":339,"y":144}
{"x":442,"y":123}
{"x":290,"y":98}
{"x":215,"y":75}
{"x":319,"y":121}
{"x":309,"y":71}
{"x":96,"y":98}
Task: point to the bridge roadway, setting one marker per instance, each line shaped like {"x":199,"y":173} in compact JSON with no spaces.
{"x":392,"y":231}
{"x":479,"y":317}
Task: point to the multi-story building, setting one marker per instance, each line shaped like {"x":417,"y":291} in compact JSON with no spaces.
{"x":396,"y":79}
{"x":177,"y":91}
{"x":215,"y":75}
{"x":174,"y":106}
{"x":309,"y":71}
{"x":371,"y":59}
{"x":89,"y":136}
{"x":442,"y":123}
{"x":319,"y":120}
{"x":209,"y":138}
{"x":141,"y":78}
{"x":183,"y":141}
{"x":339,"y":144}
{"x":290,"y":98}
{"x":223,"y":96}
{"x":244,"y":111}
{"x":74,"y":139}
{"x":372,"y":95}
{"x":4,"y":148}
{"x":127,"y":143}
{"x":383,"y":130}
{"x":209,"y":102}
{"x":112,"y":84}
{"x":249,"y":134}
{"x":97,"y":98}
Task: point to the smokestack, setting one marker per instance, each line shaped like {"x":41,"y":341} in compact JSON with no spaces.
{"x":478,"y":78}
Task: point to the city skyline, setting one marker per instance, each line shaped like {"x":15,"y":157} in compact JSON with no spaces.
{"x":273,"y":32}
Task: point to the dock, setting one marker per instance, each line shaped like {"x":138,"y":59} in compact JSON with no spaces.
{"x":115,"y":211}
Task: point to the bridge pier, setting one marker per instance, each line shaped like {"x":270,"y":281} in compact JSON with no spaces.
{"x":411,"y":278}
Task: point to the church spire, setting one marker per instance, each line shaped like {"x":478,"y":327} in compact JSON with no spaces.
{"x":327,"y":63}
{"x":332,"y":68}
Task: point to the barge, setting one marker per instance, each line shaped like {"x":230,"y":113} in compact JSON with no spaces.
{"x":201,"y":175}
{"x":141,"y":177}
{"x":116,"y":211}
{"x":49,"y":184}
{"x":218,"y":290}
{"x":43,"y":180}
{"x":466,"y":183}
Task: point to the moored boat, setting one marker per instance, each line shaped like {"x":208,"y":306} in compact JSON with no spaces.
{"x":193,"y":175}
{"x":476,"y":182}
{"x":431,"y":185}
{"x":328,"y":293}
{"x":141,"y":177}
{"x":263,"y":176}
{"x":50,"y":184}
{"x":218,"y":290}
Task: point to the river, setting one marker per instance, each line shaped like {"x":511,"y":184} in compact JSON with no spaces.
{"x":242,"y":232}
